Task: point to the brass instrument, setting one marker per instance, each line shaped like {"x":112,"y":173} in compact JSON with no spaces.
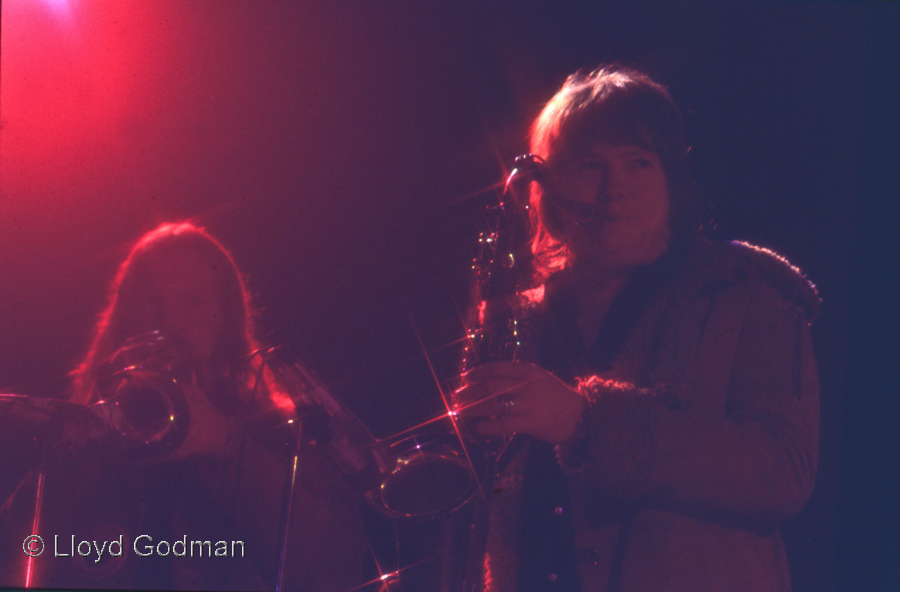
{"x":501,"y":268}
{"x":431,"y":476}
{"x":141,"y":397}
{"x":415,"y":475}
{"x":496,"y":329}
{"x":439,"y":489}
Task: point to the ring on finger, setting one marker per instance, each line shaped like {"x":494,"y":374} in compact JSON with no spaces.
{"x":506,"y":405}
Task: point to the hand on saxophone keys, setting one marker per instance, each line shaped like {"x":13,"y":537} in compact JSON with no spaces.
{"x":501,"y":398}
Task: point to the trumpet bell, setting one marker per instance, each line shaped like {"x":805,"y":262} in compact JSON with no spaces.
{"x":149,"y":414}
{"x":428,"y":479}
{"x":142,"y":399}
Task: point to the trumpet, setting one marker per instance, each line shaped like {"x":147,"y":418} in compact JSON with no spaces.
{"x":415,"y":475}
{"x":142,"y":399}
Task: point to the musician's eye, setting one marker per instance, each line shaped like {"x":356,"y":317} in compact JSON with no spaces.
{"x":641,"y":163}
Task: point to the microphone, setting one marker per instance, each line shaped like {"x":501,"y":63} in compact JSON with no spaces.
{"x":526,"y":167}
{"x":530,"y":167}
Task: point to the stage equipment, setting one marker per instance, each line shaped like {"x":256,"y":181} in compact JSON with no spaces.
{"x":33,"y":431}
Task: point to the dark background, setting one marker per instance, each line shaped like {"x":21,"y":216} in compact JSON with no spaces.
{"x":342,"y":151}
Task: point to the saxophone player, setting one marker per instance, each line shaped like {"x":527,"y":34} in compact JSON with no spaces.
{"x":672,"y":400}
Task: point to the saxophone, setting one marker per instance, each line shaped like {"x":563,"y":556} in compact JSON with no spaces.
{"x":501,"y":271}
{"x":497,"y":325}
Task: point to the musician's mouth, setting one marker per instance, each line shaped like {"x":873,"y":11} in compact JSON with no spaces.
{"x":596,"y":221}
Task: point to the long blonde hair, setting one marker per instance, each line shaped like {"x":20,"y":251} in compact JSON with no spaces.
{"x":231,"y":362}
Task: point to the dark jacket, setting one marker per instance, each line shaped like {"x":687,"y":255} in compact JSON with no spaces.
{"x":697,"y":441}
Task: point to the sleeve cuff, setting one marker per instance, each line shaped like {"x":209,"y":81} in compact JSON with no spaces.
{"x":613,"y":443}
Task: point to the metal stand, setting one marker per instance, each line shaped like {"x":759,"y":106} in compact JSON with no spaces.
{"x":287,"y":507}
{"x":36,"y":523}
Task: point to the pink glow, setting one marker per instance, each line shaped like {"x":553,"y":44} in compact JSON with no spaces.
{"x":61,"y":8}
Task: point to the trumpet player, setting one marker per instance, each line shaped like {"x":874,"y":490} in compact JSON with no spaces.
{"x":224,"y":479}
{"x":672,"y":394}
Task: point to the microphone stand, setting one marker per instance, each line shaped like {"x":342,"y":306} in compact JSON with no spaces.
{"x":287,"y":507}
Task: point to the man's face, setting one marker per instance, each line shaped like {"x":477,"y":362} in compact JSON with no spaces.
{"x":627,"y":184}
{"x":187,"y":302}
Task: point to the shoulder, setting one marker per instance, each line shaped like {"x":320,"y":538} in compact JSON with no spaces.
{"x":736,"y":263}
